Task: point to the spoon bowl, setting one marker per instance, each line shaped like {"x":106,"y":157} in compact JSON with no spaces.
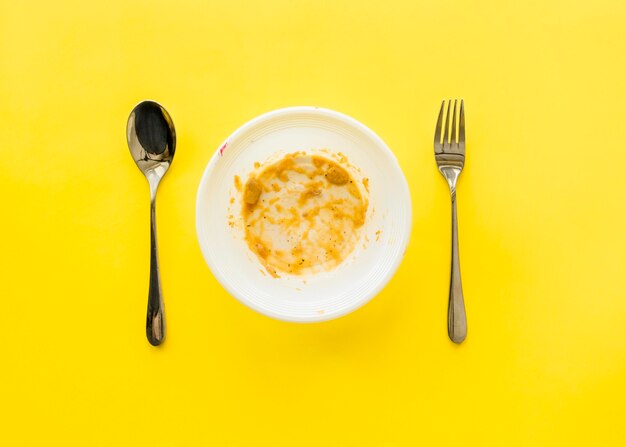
{"x":151,"y":138}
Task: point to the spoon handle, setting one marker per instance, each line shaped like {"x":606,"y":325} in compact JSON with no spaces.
{"x":155,"y":322}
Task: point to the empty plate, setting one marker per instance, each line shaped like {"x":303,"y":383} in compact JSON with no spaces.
{"x":323,"y":293}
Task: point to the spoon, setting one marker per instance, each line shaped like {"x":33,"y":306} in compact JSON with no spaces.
{"x":152,"y":141}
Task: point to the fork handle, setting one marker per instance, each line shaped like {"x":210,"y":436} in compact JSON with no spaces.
{"x":457,"y":322}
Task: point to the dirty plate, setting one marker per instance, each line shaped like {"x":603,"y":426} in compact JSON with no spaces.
{"x":315,"y":296}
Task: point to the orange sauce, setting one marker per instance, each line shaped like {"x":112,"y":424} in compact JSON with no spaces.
{"x":302,"y":213}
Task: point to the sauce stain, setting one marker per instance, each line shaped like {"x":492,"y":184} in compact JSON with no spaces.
{"x":302,"y":214}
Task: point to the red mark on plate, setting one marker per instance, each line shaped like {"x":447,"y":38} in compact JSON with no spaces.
{"x":223,"y":148}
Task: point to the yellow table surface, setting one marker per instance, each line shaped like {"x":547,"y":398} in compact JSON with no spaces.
{"x":542,"y":220}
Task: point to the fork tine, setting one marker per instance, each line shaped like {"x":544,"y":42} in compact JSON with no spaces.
{"x":462,"y":127}
{"x":453,"y":136}
{"x":438,"y":126}
{"x":446,"y":143}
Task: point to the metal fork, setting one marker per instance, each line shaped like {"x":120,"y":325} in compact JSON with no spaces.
{"x":450,"y":158}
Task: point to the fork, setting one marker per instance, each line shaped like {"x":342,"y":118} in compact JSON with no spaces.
{"x":450,"y":158}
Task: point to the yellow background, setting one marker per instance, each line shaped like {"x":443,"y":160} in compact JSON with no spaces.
{"x":541,"y":208}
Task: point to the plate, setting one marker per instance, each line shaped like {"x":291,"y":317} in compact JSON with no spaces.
{"x":324,"y":295}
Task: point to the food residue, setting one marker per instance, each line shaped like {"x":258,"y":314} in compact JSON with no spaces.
{"x":237,"y":183}
{"x":302,"y":213}
{"x":252,"y":192}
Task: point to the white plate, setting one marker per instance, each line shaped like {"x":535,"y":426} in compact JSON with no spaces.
{"x":320,"y":296}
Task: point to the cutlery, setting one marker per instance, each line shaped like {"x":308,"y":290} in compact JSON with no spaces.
{"x":152,"y":142}
{"x":450,"y":158}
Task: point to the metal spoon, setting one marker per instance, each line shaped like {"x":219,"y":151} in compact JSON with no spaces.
{"x":152,"y":141}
